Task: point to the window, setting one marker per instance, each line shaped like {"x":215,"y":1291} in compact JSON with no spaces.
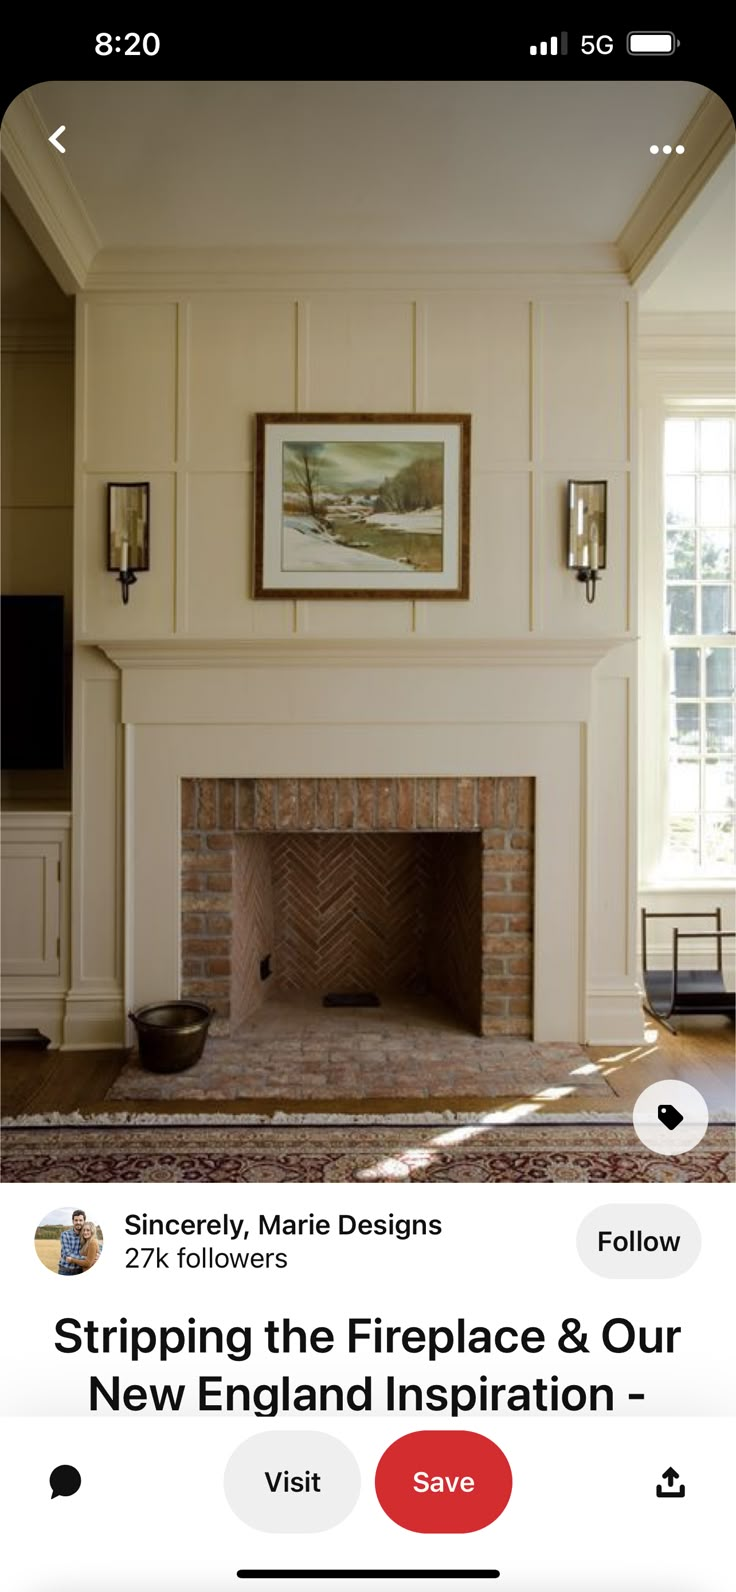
{"x":699,"y":626}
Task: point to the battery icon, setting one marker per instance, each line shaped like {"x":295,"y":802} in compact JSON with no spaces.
{"x":651,"y":43}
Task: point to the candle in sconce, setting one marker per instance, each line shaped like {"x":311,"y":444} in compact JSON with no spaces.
{"x":124,"y":550}
{"x":581,"y":529}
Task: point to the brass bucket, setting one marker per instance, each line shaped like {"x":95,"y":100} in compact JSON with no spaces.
{"x":171,"y":1036}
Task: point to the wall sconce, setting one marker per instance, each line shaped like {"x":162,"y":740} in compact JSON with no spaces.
{"x":586,"y":546}
{"x":128,"y":531}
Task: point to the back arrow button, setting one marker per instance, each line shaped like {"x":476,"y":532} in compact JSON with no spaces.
{"x":54,"y":139}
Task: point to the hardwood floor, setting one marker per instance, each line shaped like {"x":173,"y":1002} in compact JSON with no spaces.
{"x":702,"y":1054}
{"x":56,"y":1080}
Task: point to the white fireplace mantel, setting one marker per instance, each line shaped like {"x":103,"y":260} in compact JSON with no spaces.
{"x":305,"y":708}
{"x":409,"y":652}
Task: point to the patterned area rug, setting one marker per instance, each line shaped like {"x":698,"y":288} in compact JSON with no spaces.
{"x":238,"y":1154}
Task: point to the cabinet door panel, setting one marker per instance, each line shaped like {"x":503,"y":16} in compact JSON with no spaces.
{"x":30,"y":908}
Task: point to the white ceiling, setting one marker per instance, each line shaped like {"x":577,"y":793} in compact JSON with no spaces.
{"x":364,"y":163}
{"x":699,"y":264}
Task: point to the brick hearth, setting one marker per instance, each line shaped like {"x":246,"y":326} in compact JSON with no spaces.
{"x":390,"y":884}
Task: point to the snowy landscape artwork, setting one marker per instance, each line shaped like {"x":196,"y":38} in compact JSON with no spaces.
{"x":362,"y":505}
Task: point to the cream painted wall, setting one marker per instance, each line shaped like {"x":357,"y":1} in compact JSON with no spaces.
{"x":168,"y":383}
{"x":37,"y":514}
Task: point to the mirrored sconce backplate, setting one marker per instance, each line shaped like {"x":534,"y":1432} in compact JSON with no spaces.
{"x":587,"y":532}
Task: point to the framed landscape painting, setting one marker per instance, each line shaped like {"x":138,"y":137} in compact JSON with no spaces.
{"x":362,"y":506}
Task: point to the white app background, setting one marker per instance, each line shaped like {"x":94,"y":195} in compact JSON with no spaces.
{"x":152,"y":1513}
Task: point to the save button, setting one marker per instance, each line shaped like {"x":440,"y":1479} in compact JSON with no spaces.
{"x":443,"y":1481}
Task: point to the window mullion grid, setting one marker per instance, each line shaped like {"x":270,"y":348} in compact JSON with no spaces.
{"x":697,"y":639}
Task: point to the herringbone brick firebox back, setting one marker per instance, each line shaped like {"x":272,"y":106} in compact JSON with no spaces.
{"x":388,"y":885}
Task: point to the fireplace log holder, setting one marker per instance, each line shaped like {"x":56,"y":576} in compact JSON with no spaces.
{"x":675,"y":990}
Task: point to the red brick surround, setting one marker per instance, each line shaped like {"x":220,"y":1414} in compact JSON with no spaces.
{"x":217,"y":813}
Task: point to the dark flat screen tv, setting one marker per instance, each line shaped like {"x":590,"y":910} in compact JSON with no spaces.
{"x":32,"y":723}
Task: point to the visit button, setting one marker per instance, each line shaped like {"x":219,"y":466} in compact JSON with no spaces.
{"x":443,"y":1481}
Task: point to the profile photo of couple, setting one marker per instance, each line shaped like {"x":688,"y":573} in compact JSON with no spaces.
{"x":68,"y":1242}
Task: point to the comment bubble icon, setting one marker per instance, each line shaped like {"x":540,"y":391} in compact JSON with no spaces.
{"x":64,"y":1481}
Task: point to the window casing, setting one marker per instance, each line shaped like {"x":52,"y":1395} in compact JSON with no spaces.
{"x":699,"y":501}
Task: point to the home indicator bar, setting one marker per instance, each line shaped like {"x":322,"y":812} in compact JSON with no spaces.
{"x":369,"y":1575}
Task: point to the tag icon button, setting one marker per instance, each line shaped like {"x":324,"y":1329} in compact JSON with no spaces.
{"x":670,"y":1117}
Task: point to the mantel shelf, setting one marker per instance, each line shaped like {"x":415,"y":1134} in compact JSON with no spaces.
{"x":402,"y":652}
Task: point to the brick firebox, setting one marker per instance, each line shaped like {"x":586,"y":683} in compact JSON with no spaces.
{"x":394,"y":884}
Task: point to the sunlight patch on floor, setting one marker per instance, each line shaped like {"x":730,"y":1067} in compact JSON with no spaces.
{"x":397,"y":1167}
{"x":402,"y":1165}
{"x":624,"y":1058}
{"x":490,"y":1119}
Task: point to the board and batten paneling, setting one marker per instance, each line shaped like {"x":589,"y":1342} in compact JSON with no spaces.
{"x":500,"y":563}
{"x":477,"y":359}
{"x":611,"y":870}
{"x":128,"y":406}
{"x":611,"y":752}
{"x":240,"y":358}
{"x":357,"y":352}
{"x":218,"y":514}
{"x":94,"y":1003}
{"x":96,"y":871}
{"x":582,"y":382}
{"x":173,"y":387}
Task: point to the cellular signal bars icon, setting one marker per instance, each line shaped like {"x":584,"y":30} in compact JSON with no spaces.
{"x":555,"y":47}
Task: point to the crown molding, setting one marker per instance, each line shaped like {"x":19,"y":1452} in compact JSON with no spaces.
{"x":39,"y":190}
{"x":263,"y":269}
{"x":697,"y":341}
{"x":414,"y":652}
{"x":35,"y":336}
{"x":707,"y":139}
{"x":689,"y":324}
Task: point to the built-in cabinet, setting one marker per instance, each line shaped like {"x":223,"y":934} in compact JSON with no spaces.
{"x":34,"y":875}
